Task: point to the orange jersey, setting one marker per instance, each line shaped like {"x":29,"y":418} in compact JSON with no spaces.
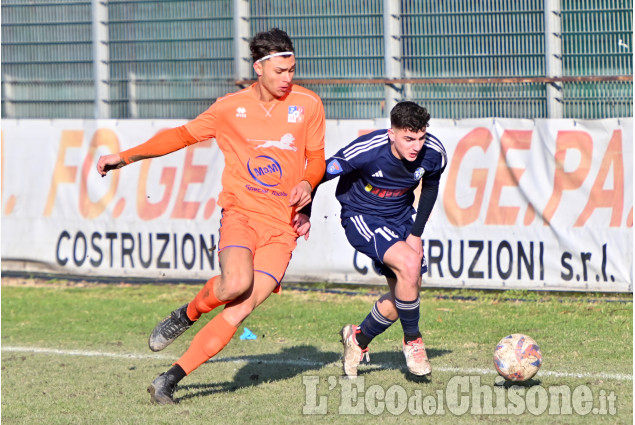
{"x":264,"y":145}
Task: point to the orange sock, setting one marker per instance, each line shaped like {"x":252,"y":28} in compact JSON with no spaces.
{"x":205,"y":301}
{"x":212,"y":338}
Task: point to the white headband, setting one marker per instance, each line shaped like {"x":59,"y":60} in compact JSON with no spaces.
{"x":264,"y":58}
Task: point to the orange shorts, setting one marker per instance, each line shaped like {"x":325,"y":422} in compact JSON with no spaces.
{"x":270,"y":247}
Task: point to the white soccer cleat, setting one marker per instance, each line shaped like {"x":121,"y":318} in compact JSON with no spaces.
{"x":353,"y":354}
{"x":416,"y":357}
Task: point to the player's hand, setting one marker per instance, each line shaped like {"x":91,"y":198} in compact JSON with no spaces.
{"x":109,"y":162}
{"x":302,"y":225}
{"x":300,"y":195}
{"x":416,"y":243}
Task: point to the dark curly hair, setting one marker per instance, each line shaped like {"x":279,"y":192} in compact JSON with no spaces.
{"x":273,"y":41}
{"x":409,"y":116}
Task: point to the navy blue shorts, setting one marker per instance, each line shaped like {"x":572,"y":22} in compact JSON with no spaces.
{"x":372,"y":236}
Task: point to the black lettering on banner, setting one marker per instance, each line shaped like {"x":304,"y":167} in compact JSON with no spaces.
{"x":187,"y":246}
{"x":585,"y":256}
{"x":145,"y":264}
{"x":489,"y":259}
{"x":504,"y":274}
{"x":471,"y":273}
{"x":94,"y":262}
{"x":188,"y":264}
{"x":61,"y":261}
{"x":435,"y":258}
{"x":604,"y":262}
{"x":529,"y":262}
{"x":79,"y":261}
{"x":482,"y":253}
{"x":127,"y":250}
{"x":564,"y":260}
{"x":166,"y":238}
{"x":360,"y":270}
{"x":541,"y":255}
{"x":571,"y":271}
{"x":455,"y":273}
{"x":176,"y":255}
{"x":111,"y":237}
{"x":209,"y":252}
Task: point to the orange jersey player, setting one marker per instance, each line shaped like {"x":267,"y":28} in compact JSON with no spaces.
{"x":272,"y":138}
{"x":264,"y":144}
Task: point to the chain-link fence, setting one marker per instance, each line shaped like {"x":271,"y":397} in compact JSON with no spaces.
{"x":461,"y":59}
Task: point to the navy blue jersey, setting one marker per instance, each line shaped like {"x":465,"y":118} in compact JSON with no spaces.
{"x":373,"y":181}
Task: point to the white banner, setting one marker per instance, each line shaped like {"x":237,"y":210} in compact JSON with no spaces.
{"x":524,"y":204}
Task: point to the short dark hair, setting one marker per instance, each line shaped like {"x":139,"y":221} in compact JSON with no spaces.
{"x":409,"y":116}
{"x":273,"y":41}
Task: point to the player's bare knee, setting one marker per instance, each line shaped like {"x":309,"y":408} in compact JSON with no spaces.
{"x":409,"y":284}
{"x":233,"y":287}
{"x":409,"y":269}
{"x":238,"y":313}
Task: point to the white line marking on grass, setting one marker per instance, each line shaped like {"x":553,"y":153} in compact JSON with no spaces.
{"x":300,"y":362}
{"x":84,"y":353}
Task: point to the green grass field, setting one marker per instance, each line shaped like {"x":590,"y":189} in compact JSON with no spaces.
{"x":77,"y":354}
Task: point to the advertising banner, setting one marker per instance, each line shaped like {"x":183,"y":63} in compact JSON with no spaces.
{"x":523,"y":204}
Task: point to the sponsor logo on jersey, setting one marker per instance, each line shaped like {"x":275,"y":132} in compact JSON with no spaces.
{"x":296,"y":114}
{"x":265,"y":170}
{"x":378,"y":174}
{"x":285,"y":143}
{"x":385,"y":193}
{"x":334,"y":167}
{"x":419,"y":173}
{"x":241,"y":112}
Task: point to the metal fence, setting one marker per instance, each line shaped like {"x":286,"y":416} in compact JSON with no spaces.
{"x":461,"y":59}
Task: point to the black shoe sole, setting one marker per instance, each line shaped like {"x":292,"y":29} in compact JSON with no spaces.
{"x":161,"y":400}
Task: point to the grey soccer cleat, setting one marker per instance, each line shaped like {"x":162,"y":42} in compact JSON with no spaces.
{"x":162,"y":390}
{"x":169,"y":329}
{"x":353,"y":354}
{"x":416,"y":357}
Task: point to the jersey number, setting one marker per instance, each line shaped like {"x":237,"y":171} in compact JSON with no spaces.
{"x":386,"y":233}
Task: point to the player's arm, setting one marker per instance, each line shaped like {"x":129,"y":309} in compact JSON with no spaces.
{"x":300,"y":195}
{"x":315,"y":167}
{"x":160,"y":144}
{"x":429,"y":187}
{"x":427,"y":199}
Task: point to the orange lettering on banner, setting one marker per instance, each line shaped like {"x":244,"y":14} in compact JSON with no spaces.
{"x":568,"y":180}
{"x":63,"y":173}
{"x":191,"y":174}
{"x":458,"y":216}
{"x":506,"y":176}
{"x":150,"y":210}
{"x":87,"y":208}
{"x":609,"y":198}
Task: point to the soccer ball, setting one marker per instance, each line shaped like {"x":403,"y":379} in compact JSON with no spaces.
{"x":517,"y":357}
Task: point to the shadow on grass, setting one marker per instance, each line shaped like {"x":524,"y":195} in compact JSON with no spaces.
{"x":396,"y":360}
{"x":500,"y":382}
{"x":296,"y":361}
{"x":261,"y":368}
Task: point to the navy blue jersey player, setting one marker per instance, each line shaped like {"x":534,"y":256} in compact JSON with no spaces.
{"x":378,"y":175}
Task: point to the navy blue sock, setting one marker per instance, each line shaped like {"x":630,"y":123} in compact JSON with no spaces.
{"x":374,"y":324}
{"x":409,"y":316}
